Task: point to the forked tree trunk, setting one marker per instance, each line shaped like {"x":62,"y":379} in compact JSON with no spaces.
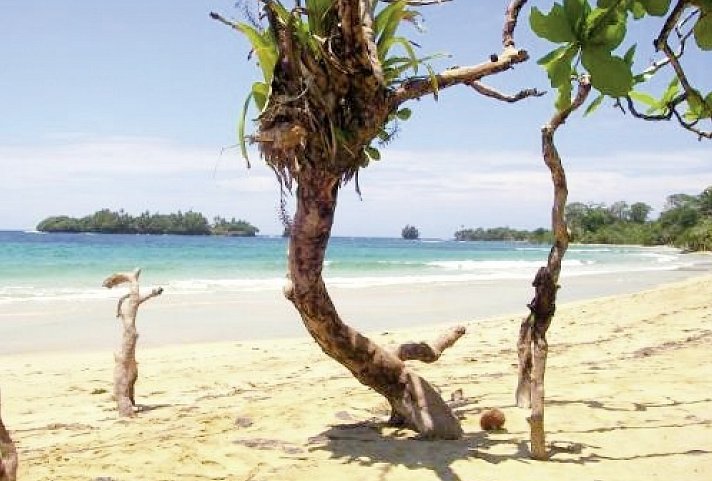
{"x":126,"y":368}
{"x":415,"y":402}
{"x":532,"y":345}
{"x":8,"y":454}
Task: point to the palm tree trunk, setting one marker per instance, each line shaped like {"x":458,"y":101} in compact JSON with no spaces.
{"x":413,"y":400}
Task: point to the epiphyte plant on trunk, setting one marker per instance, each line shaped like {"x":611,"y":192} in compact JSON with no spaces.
{"x":332,"y":83}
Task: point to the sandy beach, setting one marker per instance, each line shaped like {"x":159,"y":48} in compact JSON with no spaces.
{"x":628,"y":391}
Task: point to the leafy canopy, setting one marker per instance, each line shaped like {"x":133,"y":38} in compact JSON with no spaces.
{"x":589,"y":40}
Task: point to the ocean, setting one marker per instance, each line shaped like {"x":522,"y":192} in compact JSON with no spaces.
{"x":66,"y":267}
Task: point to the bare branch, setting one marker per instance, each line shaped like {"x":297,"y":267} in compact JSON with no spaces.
{"x":155,"y":292}
{"x":691,"y":126}
{"x":510,"y":22}
{"x":120,"y":303}
{"x":417,"y":87}
{"x":429,"y":352}
{"x":488,"y":91}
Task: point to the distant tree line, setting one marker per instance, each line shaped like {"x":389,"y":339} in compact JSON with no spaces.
{"x":685,"y":222}
{"x":106,"y":221}
{"x":537,"y":236}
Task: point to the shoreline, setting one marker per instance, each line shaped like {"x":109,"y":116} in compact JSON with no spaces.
{"x":90,"y":325}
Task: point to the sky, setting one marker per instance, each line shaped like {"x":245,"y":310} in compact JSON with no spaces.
{"x":133,"y":104}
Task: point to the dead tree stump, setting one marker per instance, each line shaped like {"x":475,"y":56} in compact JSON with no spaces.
{"x":126,"y":368}
{"x":8,"y":455}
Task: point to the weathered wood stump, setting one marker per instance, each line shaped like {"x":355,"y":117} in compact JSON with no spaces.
{"x":126,"y":368}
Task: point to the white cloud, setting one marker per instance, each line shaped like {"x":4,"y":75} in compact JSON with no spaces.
{"x":438,"y":191}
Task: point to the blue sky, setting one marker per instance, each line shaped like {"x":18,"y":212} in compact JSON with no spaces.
{"x":134,"y":105}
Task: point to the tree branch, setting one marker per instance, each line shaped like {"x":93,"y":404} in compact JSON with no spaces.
{"x":417,"y":87}
{"x":155,"y":292}
{"x":120,"y":303}
{"x":510,"y":22}
{"x":429,"y":352}
{"x":488,"y":91}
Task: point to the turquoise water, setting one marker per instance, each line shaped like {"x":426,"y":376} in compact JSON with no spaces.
{"x":36,"y":267}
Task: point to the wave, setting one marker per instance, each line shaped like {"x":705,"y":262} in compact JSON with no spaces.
{"x":499,"y":265}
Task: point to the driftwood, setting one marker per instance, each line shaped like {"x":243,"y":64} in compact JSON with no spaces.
{"x":8,"y":455}
{"x":532,"y":345}
{"x":126,"y":368}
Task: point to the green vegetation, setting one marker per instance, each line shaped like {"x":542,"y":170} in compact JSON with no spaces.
{"x":537,"y":236}
{"x":591,"y":38}
{"x":410,"y":232}
{"x":685,"y":222}
{"x":106,"y":221}
{"x":240,"y":228}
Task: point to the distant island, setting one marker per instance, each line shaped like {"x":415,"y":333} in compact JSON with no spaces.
{"x":685,"y":222}
{"x":106,"y":221}
{"x":538,"y":236}
{"x":410,"y":232}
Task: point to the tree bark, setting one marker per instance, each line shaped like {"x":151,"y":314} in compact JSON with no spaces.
{"x":532,"y":346}
{"x":413,"y":400}
{"x":126,"y":368}
{"x":8,"y":454}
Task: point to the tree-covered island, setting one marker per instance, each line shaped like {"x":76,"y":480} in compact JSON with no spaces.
{"x":106,"y":221}
{"x":685,"y":222}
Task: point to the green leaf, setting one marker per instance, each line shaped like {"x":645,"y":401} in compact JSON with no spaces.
{"x":672,"y":91}
{"x":696,"y":103}
{"x":638,"y":10}
{"x":433,"y":80}
{"x":374,"y":154}
{"x":703,"y":30}
{"x":265,"y":47}
{"x":609,"y":73}
{"x":408,"y":47}
{"x":657,"y":8}
{"x":593,"y":106}
{"x":557,"y":64}
{"x":605,"y":28}
{"x":645,"y":98}
{"x":629,"y":55}
{"x":563,"y":98}
{"x":317,"y":11}
{"x":385,"y":26}
{"x":576,"y":13}
{"x":404,"y":114}
{"x":241,"y":129}
{"x":260,"y":92}
{"x":554,"y":26}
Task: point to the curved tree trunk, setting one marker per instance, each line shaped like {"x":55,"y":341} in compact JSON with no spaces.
{"x":532,"y":346}
{"x":8,"y":455}
{"x":414,"y":401}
